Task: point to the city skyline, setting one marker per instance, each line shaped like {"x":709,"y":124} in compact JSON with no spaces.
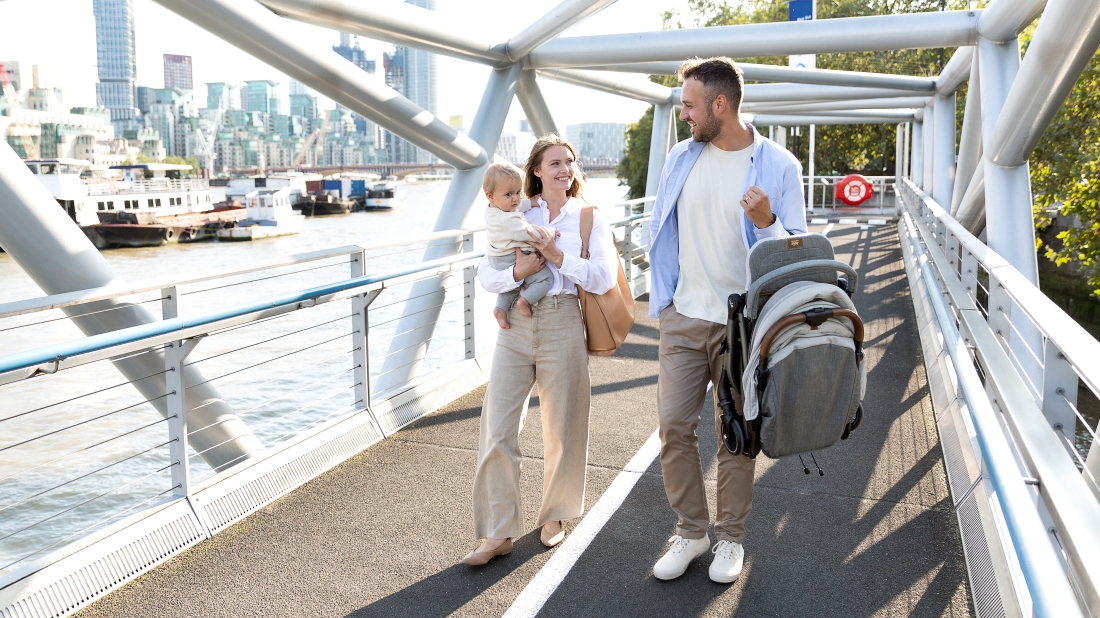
{"x":216,"y":61}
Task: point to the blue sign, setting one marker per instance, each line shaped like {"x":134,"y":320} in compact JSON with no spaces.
{"x":801,"y":10}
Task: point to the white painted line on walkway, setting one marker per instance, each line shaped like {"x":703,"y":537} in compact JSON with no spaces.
{"x":828,"y":228}
{"x":877,"y":221}
{"x":818,"y":221}
{"x":546,"y":581}
{"x":847,"y":221}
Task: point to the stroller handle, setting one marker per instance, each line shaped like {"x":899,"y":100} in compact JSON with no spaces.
{"x":829,"y":267}
{"x":798,"y":318}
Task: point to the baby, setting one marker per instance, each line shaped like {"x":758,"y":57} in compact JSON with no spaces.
{"x":507,"y":230}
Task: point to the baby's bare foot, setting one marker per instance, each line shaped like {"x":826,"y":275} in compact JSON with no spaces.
{"x":502,"y":318}
{"x":524,"y":307}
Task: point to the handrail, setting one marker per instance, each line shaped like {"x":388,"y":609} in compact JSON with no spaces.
{"x":1050,"y":591}
{"x":1075,"y":343}
{"x":177,"y":327}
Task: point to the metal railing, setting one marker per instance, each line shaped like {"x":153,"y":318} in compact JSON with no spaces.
{"x":80,"y":449}
{"x":1021,"y":362}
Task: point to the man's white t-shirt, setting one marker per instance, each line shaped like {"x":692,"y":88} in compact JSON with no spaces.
{"x":712,"y":252}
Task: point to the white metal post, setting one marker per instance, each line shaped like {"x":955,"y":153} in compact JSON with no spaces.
{"x":970,"y":140}
{"x":360,"y":334}
{"x":175,"y":401}
{"x":1059,"y":390}
{"x":469,"y":289}
{"x":928,"y":152}
{"x":169,"y":303}
{"x":658,"y":148}
{"x":916,"y":159}
{"x":943,"y":153}
{"x":628,"y":253}
{"x":810,"y":182}
{"x":534,"y":105}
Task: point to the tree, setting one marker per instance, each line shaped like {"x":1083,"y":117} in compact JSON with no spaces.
{"x":634,"y":166}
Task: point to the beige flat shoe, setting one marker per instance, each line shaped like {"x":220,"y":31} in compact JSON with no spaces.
{"x":478,"y":558}
{"x":555,"y":539}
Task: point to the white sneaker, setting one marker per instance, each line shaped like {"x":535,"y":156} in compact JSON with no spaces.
{"x":676,"y":560}
{"x":728,"y":560}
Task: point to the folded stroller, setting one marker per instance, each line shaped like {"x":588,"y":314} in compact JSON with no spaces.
{"x":793,"y":350}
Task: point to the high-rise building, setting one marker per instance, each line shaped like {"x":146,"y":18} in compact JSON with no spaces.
{"x":597,"y":142}
{"x":177,"y":72}
{"x":220,"y":95}
{"x":353,"y":53}
{"x":117,"y":59}
{"x":304,"y":105}
{"x":261,"y":94}
{"x":411,"y":72}
{"x":16,"y":70}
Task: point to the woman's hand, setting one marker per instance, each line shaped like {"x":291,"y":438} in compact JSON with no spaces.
{"x":526,"y":264}
{"x":543,"y":241}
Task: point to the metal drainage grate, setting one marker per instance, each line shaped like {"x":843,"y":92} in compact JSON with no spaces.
{"x":983,"y":579}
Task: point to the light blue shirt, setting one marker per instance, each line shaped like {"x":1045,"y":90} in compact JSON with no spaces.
{"x":771,"y":167}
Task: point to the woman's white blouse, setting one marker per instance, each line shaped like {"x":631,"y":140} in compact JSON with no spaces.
{"x":597,"y":274}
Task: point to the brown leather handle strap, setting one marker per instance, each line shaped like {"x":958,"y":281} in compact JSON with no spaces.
{"x":586,"y":229}
{"x":798,"y":318}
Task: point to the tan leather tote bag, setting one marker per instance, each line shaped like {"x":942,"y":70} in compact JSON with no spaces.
{"x":607,"y":317}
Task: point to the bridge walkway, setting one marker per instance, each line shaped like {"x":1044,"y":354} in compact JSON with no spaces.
{"x":381,"y":535}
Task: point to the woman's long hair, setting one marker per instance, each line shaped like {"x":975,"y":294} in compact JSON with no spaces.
{"x":532,"y":184}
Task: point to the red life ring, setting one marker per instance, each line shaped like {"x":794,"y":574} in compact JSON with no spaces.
{"x":854,"y":189}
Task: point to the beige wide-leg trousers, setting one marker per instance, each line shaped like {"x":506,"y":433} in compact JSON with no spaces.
{"x":689,"y":359}
{"x":548,"y":350}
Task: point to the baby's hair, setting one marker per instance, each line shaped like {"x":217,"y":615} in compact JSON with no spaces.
{"x":497,"y":172}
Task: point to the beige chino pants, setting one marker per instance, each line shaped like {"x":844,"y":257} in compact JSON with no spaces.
{"x":547,"y":350}
{"x":689,"y":359}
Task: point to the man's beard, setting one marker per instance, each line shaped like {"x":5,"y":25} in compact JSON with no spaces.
{"x":708,"y":129}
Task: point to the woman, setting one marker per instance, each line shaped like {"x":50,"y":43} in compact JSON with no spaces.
{"x":547,"y":349}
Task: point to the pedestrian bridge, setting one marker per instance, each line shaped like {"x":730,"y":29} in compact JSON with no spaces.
{"x":298,"y":435}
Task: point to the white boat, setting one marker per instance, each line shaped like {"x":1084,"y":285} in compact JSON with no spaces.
{"x":142,"y":206}
{"x":385,"y":195}
{"x":238,"y":188}
{"x":270,"y":214}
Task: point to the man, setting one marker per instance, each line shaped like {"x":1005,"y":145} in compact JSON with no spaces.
{"x":720,"y":192}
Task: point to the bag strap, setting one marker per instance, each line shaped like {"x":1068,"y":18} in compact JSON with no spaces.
{"x":586,"y":229}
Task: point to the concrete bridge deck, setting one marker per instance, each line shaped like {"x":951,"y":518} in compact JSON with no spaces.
{"x":381,"y":535}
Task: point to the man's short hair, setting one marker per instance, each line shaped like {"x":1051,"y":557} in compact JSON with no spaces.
{"x":719,"y":76}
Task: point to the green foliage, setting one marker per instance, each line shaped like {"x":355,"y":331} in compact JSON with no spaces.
{"x":634,"y":166}
{"x":192,"y":161}
{"x":1065,"y":172}
{"x":840,"y":149}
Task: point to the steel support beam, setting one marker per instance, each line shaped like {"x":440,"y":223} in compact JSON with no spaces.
{"x":1065,"y":40}
{"x":956,"y":71}
{"x":970,"y":142}
{"x":794,"y":120}
{"x":799,"y":107}
{"x":534,"y":105}
{"x":771,"y":73}
{"x":1010,"y":225}
{"x":638,"y":88}
{"x":421,"y":314}
{"x":916,"y":159}
{"x":759,"y":93}
{"x":394,"y":22}
{"x":943,"y":157}
{"x":658,"y":148}
{"x":928,"y":148}
{"x":53,"y":252}
{"x":846,"y":34}
{"x":971,"y":211}
{"x":257,"y":31}
{"x":1002,"y":20}
{"x":550,"y":25}
{"x":899,"y":158}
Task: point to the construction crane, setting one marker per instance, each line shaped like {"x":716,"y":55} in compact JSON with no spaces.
{"x":30,"y":149}
{"x":205,"y":155}
{"x":321,"y":137}
{"x":305,"y":149}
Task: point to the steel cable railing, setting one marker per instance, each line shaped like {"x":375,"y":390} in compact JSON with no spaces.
{"x":297,"y":386}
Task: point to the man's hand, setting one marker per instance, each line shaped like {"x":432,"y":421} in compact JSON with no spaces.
{"x":758,"y":207}
{"x":527,"y":264}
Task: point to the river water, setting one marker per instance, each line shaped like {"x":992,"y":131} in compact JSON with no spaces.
{"x":82,"y":449}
